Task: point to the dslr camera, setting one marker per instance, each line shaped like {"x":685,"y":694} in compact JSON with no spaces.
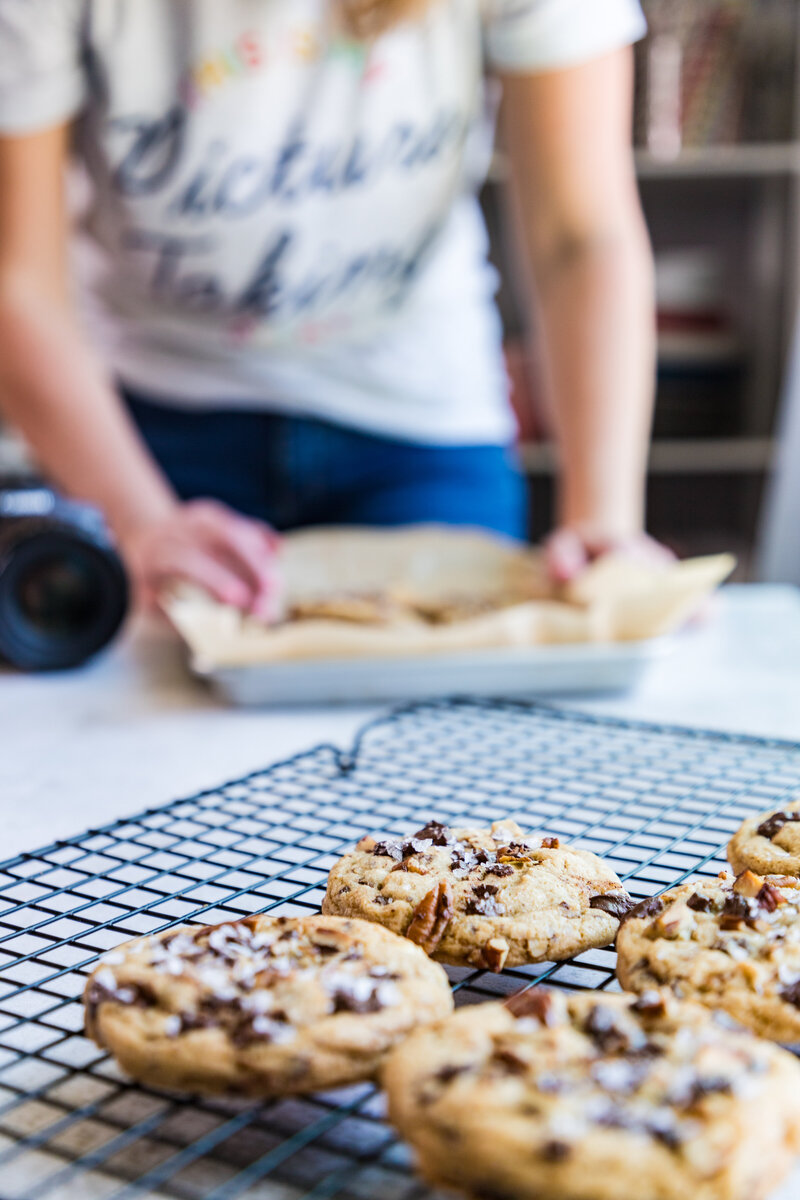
{"x":63,"y":588}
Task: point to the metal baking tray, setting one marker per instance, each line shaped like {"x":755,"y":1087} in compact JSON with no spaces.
{"x":534,"y":671}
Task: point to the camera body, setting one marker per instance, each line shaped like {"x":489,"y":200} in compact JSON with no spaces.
{"x":63,"y":588}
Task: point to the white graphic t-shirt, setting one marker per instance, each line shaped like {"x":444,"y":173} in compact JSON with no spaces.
{"x":287,"y":215}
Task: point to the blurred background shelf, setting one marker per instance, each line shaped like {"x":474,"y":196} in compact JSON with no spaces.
{"x":698,"y":456}
{"x":685,"y":349}
{"x":722,"y":162}
{"x":701,"y":162}
{"x":717,"y":132}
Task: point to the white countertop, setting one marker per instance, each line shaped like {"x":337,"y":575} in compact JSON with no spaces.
{"x":133,"y":730}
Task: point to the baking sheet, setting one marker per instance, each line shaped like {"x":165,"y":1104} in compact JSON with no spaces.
{"x":525,"y":635}
{"x":534,"y":671}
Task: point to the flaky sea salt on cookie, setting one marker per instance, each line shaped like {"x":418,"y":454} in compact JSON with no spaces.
{"x":264,"y":1006}
{"x":481,"y":897}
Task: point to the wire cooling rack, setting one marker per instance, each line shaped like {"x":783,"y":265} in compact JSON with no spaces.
{"x":657,"y":803}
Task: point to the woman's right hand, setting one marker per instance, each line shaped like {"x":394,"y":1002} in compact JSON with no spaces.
{"x":233,"y":557}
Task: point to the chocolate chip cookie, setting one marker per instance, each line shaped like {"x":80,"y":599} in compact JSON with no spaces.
{"x":356,"y":608}
{"x":262,"y":1007}
{"x":393,"y":607}
{"x":768,"y":843}
{"x":730,"y":944}
{"x":595,"y":1097}
{"x":485,"y":898}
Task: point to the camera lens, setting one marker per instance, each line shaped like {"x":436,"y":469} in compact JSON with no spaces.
{"x":59,"y":596}
{"x":63,"y":595}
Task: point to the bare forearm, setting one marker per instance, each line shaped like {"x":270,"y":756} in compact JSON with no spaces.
{"x":54,"y":390}
{"x":568,"y":137}
{"x":597,"y":319}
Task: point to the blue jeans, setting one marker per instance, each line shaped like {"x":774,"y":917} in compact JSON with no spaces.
{"x":296,"y":471}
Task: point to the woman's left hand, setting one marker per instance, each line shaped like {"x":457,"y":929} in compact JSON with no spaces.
{"x":570,"y":549}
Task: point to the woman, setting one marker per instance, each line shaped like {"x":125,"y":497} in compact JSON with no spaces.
{"x":297,"y":317}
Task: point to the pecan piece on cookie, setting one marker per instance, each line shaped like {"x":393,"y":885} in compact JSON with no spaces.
{"x":748,"y":884}
{"x":770,"y":898}
{"x":535,"y":1002}
{"x":495,"y":953}
{"x":431,"y":917}
{"x":650,"y":1004}
{"x":674,"y":921}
